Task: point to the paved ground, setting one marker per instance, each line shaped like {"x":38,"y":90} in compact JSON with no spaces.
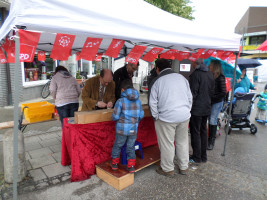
{"x":240,"y":174}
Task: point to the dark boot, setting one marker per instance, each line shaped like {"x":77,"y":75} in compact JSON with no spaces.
{"x":212,"y":136}
{"x":131,"y":164}
{"x":114,"y":163}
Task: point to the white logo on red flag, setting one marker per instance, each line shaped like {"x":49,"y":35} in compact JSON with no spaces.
{"x":90,"y":48}
{"x":2,"y":57}
{"x":181,"y":55}
{"x":114,"y":48}
{"x":9,"y":47}
{"x":98,"y":57}
{"x":226,"y":54}
{"x":152,"y":54}
{"x":170,"y":54}
{"x":28,"y":44}
{"x":62,"y":46}
{"x":207,"y":54}
{"x":41,"y":56}
{"x":135,"y":54}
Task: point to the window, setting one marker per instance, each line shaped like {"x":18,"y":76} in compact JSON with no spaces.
{"x":257,"y":40}
{"x":38,"y":70}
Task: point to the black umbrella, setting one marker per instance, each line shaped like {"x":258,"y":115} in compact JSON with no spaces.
{"x":247,"y":63}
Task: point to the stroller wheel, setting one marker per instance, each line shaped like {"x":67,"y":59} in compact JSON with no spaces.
{"x":253,"y":129}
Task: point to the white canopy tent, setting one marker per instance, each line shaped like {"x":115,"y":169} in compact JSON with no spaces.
{"x":134,"y":21}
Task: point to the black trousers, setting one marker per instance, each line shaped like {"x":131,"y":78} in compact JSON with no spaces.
{"x":198,"y":131}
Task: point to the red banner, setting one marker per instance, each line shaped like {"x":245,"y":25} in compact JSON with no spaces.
{"x":226,"y":54}
{"x":62,"y":46}
{"x":181,"y":55}
{"x":228,"y":84}
{"x":9,"y":47}
{"x":194,"y":56}
{"x":98,"y":57}
{"x":170,"y":54}
{"x":135,"y":54}
{"x":207,"y":54}
{"x":114,"y":48}
{"x":78,"y":56}
{"x":90,"y":48}
{"x":2,"y":57}
{"x":41,"y":55}
{"x":28,"y":44}
{"x":152,"y":54}
{"x":262,"y":47}
{"x":219,"y":53}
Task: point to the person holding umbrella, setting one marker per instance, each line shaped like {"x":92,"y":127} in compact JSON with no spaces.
{"x":244,"y":82}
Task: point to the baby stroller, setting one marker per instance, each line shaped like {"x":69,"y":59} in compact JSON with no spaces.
{"x":241,"y":109}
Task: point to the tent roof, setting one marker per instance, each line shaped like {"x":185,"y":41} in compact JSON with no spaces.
{"x":135,"y":21}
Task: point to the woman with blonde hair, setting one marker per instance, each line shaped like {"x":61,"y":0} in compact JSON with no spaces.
{"x":217,"y":100}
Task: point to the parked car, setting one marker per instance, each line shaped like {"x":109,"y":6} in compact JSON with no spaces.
{"x":144,"y":85}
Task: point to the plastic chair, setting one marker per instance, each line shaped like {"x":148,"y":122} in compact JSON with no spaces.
{"x":137,"y":146}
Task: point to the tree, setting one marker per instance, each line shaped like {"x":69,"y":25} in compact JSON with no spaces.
{"x":176,"y":7}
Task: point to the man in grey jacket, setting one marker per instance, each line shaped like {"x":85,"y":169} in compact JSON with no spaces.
{"x":170,"y":102}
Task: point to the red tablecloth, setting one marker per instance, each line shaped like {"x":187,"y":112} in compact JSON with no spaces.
{"x":86,"y":145}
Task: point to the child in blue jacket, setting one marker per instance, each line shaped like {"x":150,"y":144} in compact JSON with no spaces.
{"x":127,"y":112}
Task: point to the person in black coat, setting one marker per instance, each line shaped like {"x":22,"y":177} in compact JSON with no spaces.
{"x":202,"y":87}
{"x":217,"y":100}
{"x":125,"y":72}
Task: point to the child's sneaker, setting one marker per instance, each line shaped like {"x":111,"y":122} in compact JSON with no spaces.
{"x":131,"y":169}
{"x":114,"y":163}
{"x":131,"y":164}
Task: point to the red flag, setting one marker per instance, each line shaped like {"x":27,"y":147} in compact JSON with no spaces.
{"x":152,"y":54}
{"x":226,"y":54}
{"x":170,"y":54}
{"x":207,"y":54}
{"x":90,"y":48}
{"x":262,"y":47}
{"x":62,"y":46}
{"x":9,"y":47}
{"x":114,"y":48}
{"x":228,"y":84}
{"x":181,"y":55}
{"x":219,"y":53}
{"x":98,"y":57}
{"x":194,"y":56}
{"x":2,"y":57}
{"x":135,"y":54}
{"x":78,"y":55}
{"x":41,"y":55}
{"x":28,"y":44}
{"x":200,"y":51}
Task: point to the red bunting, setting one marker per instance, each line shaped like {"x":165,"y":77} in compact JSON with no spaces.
{"x":181,"y":55}
{"x":98,"y":57}
{"x":78,"y":56}
{"x":263,"y":46}
{"x":219,"y":53}
{"x":114,"y":48}
{"x":194,"y":56}
{"x":207,"y":54}
{"x":170,"y":54}
{"x":135,"y":54}
{"x":62,"y":46}
{"x":226,"y":54}
{"x":90,"y":48}
{"x":28,"y":44}
{"x":9,"y":47}
{"x":2,"y":57}
{"x":41,"y":55}
{"x":152,"y":54}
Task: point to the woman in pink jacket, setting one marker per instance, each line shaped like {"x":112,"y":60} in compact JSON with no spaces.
{"x":66,"y":91}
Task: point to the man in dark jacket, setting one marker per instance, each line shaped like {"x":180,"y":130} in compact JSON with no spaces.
{"x":125,"y":72}
{"x":202,"y":87}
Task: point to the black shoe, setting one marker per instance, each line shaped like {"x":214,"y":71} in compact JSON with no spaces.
{"x":114,"y":167}
{"x":131,"y":169}
{"x":210,"y":146}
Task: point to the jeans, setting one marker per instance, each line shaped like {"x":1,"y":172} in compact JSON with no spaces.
{"x":67,"y":111}
{"x":215,"y":111}
{"x":120,"y":140}
{"x":198,"y":131}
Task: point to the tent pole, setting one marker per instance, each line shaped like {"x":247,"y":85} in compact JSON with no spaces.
{"x":16,"y":115}
{"x":231,"y":104}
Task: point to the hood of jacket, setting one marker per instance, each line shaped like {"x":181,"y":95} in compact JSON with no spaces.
{"x":131,"y":94}
{"x":203,"y":67}
{"x":64,"y":74}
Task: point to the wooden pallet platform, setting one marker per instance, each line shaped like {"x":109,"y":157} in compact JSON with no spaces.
{"x":121,"y":178}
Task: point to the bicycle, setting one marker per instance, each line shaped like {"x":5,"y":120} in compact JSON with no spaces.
{"x":45,"y":90}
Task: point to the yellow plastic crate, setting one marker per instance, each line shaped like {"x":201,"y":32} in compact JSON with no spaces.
{"x":39,"y":111}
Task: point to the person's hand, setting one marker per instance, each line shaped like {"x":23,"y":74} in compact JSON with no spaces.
{"x":110,"y":105}
{"x":238,"y":80}
{"x":101,"y":104}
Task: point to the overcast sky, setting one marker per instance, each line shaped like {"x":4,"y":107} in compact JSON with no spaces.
{"x":223,"y":15}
